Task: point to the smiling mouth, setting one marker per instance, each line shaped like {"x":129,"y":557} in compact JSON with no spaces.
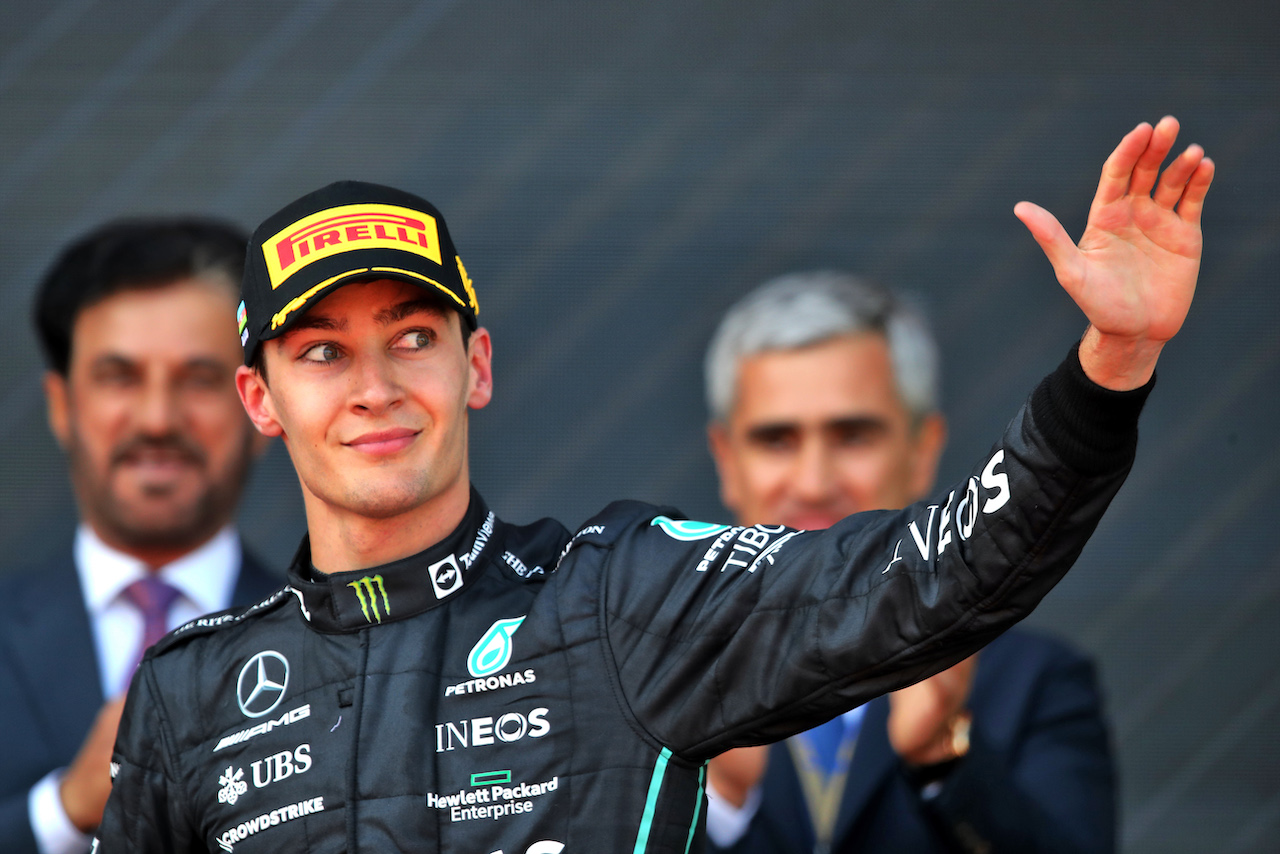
{"x":158,"y":463}
{"x":384,"y":441}
{"x":157,"y":472}
{"x":157,"y":457}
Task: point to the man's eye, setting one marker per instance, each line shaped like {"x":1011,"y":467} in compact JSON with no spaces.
{"x":853,"y":438}
{"x":858,"y":434}
{"x":416,"y":339}
{"x":115,"y":378}
{"x":321,"y":353}
{"x":204,"y":379}
{"x":774,"y":440}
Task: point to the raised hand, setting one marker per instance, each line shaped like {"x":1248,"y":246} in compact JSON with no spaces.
{"x":1134,"y":271}
{"x":87,"y":783}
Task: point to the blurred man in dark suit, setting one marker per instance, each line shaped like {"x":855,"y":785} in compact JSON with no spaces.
{"x":823,"y":392}
{"x":136,"y":321}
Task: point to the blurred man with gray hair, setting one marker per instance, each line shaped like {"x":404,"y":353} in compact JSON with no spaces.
{"x":823,"y":393}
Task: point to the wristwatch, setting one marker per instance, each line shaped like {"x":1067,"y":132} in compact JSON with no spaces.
{"x":928,"y":778}
{"x":960,"y":725}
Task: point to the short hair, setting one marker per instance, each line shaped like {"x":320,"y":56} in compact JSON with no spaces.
{"x":130,"y":254}
{"x":801,"y":309}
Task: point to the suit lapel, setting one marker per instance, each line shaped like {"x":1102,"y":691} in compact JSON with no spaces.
{"x":54,"y":652}
{"x":785,"y":811}
{"x":873,"y":762}
{"x":50,"y":645}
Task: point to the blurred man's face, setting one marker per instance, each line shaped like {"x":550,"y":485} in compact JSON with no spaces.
{"x":370,"y":392}
{"x":158,"y":443}
{"x":819,"y":433}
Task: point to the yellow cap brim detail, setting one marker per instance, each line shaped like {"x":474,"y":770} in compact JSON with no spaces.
{"x":278,"y":319}
{"x":420,"y":278}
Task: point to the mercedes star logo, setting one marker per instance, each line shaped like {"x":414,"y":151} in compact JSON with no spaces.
{"x":262,"y":682}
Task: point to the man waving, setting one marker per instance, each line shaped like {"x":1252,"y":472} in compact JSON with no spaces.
{"x":435,"y":679}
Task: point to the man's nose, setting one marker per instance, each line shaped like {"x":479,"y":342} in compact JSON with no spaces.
{"x":376,"y":387}
{"x":813,"y":476}
{"x":158,"y":412}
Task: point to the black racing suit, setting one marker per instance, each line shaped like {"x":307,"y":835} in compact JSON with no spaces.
{"x":522,"y":690}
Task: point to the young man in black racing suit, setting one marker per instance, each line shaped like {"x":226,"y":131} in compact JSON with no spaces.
{"x":433,"y":679}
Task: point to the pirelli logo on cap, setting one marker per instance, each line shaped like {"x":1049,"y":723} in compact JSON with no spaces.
{"x":345,"y":228}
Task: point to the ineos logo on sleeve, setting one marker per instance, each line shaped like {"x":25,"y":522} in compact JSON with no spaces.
{"x":262,"y":683}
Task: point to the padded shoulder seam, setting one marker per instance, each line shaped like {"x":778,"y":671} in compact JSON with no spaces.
{"x":210,"y":623}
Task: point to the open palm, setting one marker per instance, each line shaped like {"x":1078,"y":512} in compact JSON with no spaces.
{"x":1134,"y":271}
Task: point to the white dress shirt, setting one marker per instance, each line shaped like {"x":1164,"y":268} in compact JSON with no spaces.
{"x":205,"y":579}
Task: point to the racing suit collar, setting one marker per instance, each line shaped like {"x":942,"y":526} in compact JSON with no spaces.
{"x":348,"y":601}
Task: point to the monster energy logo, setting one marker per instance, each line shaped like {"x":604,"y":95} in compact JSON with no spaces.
{"x":364,"y":591}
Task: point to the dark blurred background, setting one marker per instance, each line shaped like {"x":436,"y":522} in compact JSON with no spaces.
{"x":615,"y":174}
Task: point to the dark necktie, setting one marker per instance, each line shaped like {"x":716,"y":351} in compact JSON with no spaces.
{"x":153,"y":598}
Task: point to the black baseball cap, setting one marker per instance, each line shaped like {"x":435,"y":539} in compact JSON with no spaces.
{"x":348,"y":231}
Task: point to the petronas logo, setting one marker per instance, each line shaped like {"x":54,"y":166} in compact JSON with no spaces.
{"x":493,"y":651}
{"x":364,"y":589}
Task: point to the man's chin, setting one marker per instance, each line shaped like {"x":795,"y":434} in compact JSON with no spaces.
{"x":163,"y":514}
{"x":388,"y":500}
{"x":184,"y":532}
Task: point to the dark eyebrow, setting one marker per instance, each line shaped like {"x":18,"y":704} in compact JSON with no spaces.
{"x":113,"y":358}
{"x":400,"y":311}
{"x":319,"y":321}
{"x":858,"y":422}
{"x":113,"y":361}
{"x":385,"y":317}
{"x":118,"y":361}
{"x":771,"y":429}
{"x":207,"y":363}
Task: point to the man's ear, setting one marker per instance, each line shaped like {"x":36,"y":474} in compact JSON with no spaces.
{"x":257,"y":400}
{"x":930,"y":439}
{"x":721,"y":448}
{"x":480,"y":368}
{"x":57,"y":406}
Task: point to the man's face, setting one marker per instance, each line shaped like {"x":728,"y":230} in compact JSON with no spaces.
{"x":158,"y":444}
{"x":370,"y":392}
{"x":818,"y":433}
